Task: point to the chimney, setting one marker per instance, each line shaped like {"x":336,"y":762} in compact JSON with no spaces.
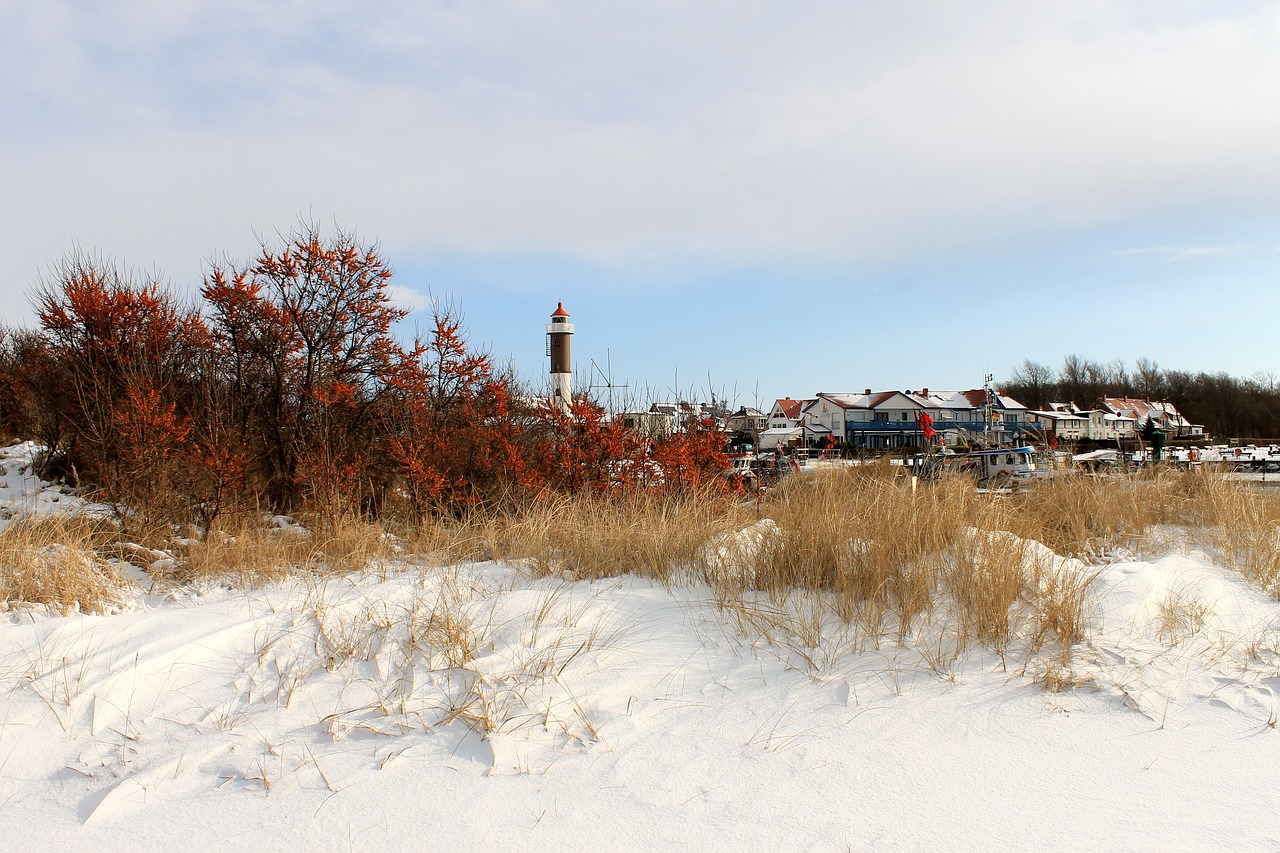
{"x":867,"y":392}
{"x":924,"y":392}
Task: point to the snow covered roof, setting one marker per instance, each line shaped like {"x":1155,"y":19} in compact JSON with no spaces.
{"x":942,"y":400}
{"x":925,"y":399}
{"x":1058,"y":416}
{"x":1098,"y":456}
{"x":977,"y":397}
{"x":1143,"y":409}
{"x":863,"y":401}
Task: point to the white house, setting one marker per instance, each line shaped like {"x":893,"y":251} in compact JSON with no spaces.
{"x":1064,"y":426}
{"x":786,"y":413}
{"x":884,"y":419}
{"x":1165,"y":415}
{"x":1104,"y":426}
{"x":887,"y":419}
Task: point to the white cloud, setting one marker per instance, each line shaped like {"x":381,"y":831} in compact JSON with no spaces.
{"x":409,"y":299}
{"x":163,"y":131}
{"x":1184,"y":253}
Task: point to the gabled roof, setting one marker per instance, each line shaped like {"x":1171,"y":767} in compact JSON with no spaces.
{"x":941,"y":400}
{"x":1059,"y":416}
{"x":976,"y":398}
{"x":844,"y":401}
{"x":790,"y":408}
{"x":862,"y":401}
{"x":1142,"y":409}
{"x":882,"y":397}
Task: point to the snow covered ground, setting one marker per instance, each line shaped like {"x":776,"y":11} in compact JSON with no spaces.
{"x":475,"y":706}
{"x":23,"y":493}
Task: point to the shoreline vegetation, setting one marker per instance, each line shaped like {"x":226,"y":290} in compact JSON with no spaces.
{"x":853,"y":546}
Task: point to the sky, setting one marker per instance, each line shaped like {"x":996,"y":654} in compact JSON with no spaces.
{"x":757,"y":199}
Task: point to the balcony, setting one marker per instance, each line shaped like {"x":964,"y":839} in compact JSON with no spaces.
{"x":882,"y":426}
{"x":851,"y":427}
{"x":559,"y":328}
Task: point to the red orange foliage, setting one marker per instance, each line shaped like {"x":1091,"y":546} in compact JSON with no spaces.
{"x":290,"y":389}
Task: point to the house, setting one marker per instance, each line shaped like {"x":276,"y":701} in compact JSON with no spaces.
{"x":775,"y":437}
{"x":685,"y":413}
{"x":1165,"y":416}
{"x":888,"y":419}
{"x":746,"y":420}
{"x":651,"y":424}
{"x":1060,"y":425}
{"x":822,"y":419}
{"x":884,"y":419}
{"x":786,"y":413}
{"x":1105,"y":426}
{"x":835,"y":417}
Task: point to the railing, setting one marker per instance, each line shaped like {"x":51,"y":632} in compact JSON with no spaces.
{"x":940,"y":426}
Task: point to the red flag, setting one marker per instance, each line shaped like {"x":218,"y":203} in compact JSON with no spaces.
{"x":926,"y":426}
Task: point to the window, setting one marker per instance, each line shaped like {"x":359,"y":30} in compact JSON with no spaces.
{"x":882,"y":416}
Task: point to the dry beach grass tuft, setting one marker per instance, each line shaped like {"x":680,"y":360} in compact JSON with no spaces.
{"x":57,"y":561}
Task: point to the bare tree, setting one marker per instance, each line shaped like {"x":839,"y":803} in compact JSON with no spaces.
{"x":1149,"y":379}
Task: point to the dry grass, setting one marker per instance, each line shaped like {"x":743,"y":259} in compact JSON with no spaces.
{"x":893,"y":555}
{"x":255,"y":553}
{"x":885,"y":558}
{"x":56,"y":561}
{"x":887,"y":555}
{"x":593,"y":536}
{"x":1086,"y":516}
{"x":1243,"y":522}
{"x":1181,"y":616}
{"x":865,"y":535}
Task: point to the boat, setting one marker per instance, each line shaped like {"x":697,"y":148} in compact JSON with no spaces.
{"x":998,"y":465}
{"x":993,"y":466}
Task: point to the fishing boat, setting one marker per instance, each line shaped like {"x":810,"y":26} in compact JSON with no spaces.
{"x":997,"y":465}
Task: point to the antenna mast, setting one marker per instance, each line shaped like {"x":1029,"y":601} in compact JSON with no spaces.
{"x":609,"y":384}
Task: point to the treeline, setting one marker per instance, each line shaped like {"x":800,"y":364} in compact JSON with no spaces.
{"x":284,"y":388}
{"x":1227,"y":406}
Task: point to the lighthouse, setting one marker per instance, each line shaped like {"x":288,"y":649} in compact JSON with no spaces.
{"x":559,"y":330}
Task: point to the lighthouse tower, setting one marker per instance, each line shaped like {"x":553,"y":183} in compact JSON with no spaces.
{"x":559,"y":331}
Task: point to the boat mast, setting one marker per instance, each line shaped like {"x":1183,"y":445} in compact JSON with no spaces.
{"x":986,"y":409}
